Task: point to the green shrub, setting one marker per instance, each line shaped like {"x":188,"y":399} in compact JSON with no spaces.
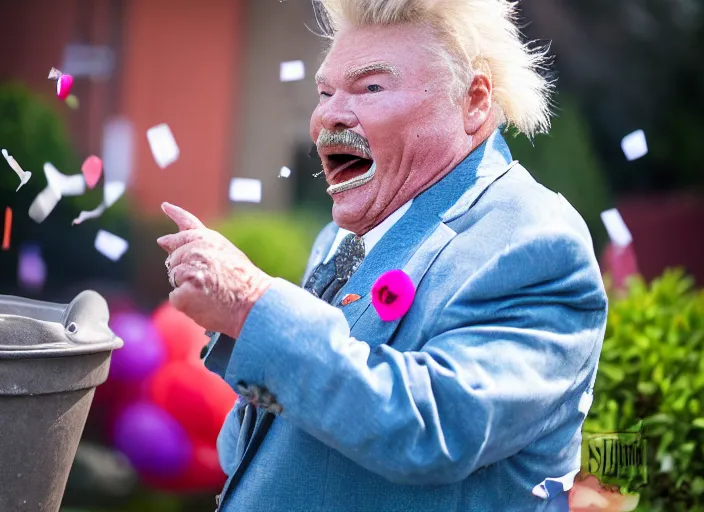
{"x":278,"y":244}
{"x":652,"y":368}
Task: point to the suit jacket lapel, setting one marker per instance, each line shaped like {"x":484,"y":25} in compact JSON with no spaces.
{"x":414,"y":242}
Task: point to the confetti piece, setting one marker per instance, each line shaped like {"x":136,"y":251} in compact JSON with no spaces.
{"x":292,"y":71}
{"x":31,"y":271}
{"x":63,"y":86}
{"x":64,"y":83}
{"x":72,"y":102}
{"x":112,"y":191}
{"x":109,"y":245}
{"x":245,"y":190}
{"x":44,"y":203}
{"x":163,"y":145}
{"x":95,"y":61}
{"x":92,"y":169}
{"x":285,"y":172}
{"x":392,"y":295}
{"x":616,"y":227}
{"x":8,"y":229}
{"x":23,"y":175}
{"x":89,"y":214}
{"x":73,"y":185}
{"x":634,"y":145}
{"x":118,"y":149}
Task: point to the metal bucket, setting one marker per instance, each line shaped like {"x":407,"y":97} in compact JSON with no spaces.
{"x":52,"y":357}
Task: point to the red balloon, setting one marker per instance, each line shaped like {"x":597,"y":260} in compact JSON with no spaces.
{"x":183,"y":338}
{"x":202,"y":475}
{"x":196,"y":397}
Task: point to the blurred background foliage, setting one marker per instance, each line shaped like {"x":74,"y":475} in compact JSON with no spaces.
{"x":565,"y":161}
{"x":278,"y":244}
{"x":652,"y":369}
{"x":33,"y":132}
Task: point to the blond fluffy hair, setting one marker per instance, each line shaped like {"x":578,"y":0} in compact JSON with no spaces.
{"x":478,"y":36}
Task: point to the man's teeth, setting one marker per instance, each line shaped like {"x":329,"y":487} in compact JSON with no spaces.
{"x":355,"y":182}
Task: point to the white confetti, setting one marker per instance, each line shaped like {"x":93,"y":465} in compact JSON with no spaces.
{"x":285,"y":172}
{"x":163,"y":145}
{"x":292,"y":71}
{"x":245,"y":190}
{"x":85,"y":60}
{"x":23,"y":175}
{"x":616,"y":227}
{"x":44,"y":204}
{"x":118,"y":150}
{"x":634,"y":145}
{"x":112,"y":191}
{"x":109,"y":245}
{"x":89,"y":214}
{"x":54,"y":74}
{"x":67,"y":185}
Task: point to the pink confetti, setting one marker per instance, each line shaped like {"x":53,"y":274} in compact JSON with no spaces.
{"x":392,"y":295}
{"x":63,"y":86}
{"x":92,"y":169}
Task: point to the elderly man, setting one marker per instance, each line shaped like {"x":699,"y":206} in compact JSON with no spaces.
{"x":475,"y":398}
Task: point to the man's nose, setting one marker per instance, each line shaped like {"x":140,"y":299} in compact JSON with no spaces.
{"x":337,"y":116}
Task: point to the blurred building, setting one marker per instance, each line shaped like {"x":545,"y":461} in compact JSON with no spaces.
{"x":208,"y":69}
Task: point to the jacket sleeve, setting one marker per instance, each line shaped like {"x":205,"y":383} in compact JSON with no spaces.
{"x":509,"y":346}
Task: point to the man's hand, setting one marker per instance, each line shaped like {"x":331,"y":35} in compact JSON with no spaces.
{"x":214,"y":282}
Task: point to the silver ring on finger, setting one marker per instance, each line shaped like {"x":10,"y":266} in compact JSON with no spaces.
{"x":172,"y":280}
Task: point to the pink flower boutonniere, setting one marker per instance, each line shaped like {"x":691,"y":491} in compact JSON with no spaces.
{"x":392,"y":295}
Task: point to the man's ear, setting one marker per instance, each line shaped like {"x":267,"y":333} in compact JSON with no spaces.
{"x":477,"y":104}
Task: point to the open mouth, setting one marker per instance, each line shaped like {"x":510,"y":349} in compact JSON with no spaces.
{"x":348,"y":171}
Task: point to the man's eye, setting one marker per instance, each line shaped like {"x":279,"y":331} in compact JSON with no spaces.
{"x":324,"y":94}
{"x":374,"y":88}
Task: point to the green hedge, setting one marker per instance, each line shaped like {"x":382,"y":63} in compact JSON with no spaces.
{"x":278,"y":244}
{"x":652,"y":368}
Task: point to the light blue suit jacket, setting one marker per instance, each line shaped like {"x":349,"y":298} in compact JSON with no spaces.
{"x":473,"y":401}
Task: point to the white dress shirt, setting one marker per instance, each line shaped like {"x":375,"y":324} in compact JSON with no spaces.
{"x":372,"y":237}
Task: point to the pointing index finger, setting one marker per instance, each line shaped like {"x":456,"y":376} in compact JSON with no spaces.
{"x":183,"y":219}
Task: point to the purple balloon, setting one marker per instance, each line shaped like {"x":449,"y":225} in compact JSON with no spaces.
{"x":154,"y":442}
{"x":143,"y":351}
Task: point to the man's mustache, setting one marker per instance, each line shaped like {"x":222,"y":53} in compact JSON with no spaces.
{"x":344,"y":138}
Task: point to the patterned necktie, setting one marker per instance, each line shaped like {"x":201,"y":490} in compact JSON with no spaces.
{"x":329,"y":278}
